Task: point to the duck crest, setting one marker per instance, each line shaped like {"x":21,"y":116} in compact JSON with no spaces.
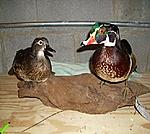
{"x":113,"y":60}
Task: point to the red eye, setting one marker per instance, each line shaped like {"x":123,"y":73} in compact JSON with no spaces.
{"x":99,"y":38}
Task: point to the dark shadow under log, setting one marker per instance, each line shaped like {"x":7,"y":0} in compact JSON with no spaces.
{"x":82,"y":93}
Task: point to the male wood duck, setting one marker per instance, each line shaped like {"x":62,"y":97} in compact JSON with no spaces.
{"x":113,"y":60}
{"x":33,"y":63}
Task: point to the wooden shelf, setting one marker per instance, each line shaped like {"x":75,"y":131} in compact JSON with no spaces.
{"x":25,"y":112}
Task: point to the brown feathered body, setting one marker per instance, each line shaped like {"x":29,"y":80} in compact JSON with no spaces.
{"x":27,"y":66}
{"x":32,"y":64}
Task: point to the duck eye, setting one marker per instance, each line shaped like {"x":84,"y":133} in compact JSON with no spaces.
{"x":40,"y":42}
{"x":99,"y":38}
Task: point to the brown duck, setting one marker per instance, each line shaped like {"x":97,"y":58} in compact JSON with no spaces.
{"x":33,"y":63}
{"x":113,"y":60}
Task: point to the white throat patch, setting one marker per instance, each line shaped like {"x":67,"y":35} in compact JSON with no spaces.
{"x":40,"y":54}
{"x":108,"y":43}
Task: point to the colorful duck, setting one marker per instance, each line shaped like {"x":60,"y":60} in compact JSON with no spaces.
{"x":33,"y":63}
{"x":113,"y":60}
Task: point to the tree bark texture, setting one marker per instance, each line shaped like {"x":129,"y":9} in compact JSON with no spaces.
{"x":82,"y":93}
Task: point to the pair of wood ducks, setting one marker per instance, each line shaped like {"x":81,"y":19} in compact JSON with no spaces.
{"x":112,"y":61}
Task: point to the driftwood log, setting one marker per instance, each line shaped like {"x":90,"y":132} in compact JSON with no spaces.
{"x":82,"y":93}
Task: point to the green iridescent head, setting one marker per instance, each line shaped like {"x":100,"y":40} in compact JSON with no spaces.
{"x":99,"y":32}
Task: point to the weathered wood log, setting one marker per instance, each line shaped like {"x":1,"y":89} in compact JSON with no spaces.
{"x":82,"y":93}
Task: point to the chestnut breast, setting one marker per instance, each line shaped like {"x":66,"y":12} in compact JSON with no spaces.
{"x":111,"y":64}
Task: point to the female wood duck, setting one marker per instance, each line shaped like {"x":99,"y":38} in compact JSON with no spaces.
{"x":33,"y":63}
{"x":113,"y":60}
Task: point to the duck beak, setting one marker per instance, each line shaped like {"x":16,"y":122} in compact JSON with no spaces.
{"x":90,"y":43}
{"x":90,"y":38}
{"x":88,"y":47}
{"x":48,"y":53}
{"x":48,"y":50}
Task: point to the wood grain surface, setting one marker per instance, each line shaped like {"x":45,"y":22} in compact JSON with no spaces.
{"x":25,"y":112}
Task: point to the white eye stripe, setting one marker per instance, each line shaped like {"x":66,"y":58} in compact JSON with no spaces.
{"x":107,"y":42}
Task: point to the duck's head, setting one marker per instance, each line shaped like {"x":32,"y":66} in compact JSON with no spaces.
{"x":101,"y":33}
{"x":41,"y":44}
